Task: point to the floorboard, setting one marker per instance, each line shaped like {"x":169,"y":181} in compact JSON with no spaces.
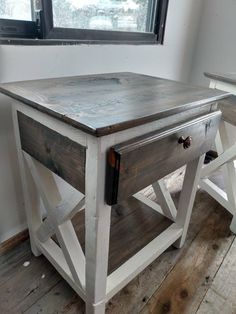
{"x":193,"y":273}
{"x":221,"y":296}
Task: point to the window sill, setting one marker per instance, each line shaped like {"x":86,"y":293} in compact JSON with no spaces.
{"x":65,"y":42}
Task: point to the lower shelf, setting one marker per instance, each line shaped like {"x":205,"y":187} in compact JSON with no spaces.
{"x":133,"y":226}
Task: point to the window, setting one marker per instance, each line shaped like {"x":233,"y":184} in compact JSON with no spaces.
{"x":16,"y":19}
{"x":115,"y":21}
{"x":15,"y":9}
{"x":116,"y":15}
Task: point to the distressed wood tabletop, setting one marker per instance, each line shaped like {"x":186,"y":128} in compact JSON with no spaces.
{"x":106,"y":103}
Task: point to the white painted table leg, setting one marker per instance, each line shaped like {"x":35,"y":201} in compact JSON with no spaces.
{"x":226,"y":153}
{"x":97,"y":234}
{"x":31,"y":199}
{"x":229,"y":176}
{"x":187,"y":197}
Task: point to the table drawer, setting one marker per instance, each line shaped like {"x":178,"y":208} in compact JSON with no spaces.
{"x":139,"y":162}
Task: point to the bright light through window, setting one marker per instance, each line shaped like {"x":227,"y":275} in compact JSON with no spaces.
{"x":114,"y":15}
{"x":15,"y":9}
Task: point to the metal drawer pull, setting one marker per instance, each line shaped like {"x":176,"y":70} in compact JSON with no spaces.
{"x":186,"y":142}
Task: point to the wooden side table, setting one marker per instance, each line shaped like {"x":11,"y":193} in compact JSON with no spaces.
{"x":225,"y":149}
{"x":108,"y":136}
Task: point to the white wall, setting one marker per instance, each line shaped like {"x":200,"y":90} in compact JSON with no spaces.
{"x":216,"y":43}
{"x":173,"y":60}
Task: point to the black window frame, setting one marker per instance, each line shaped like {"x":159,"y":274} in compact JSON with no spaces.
{"x":12,"y":28}
{"x":18,"y":29}
{"x":43,"y":29}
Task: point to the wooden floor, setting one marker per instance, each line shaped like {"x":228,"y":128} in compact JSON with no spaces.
{"x":199,"y":278}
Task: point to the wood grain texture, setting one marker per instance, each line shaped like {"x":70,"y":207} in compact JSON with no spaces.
{"x":23,"y":286}
{"x":222,"y":77}
{"x":185,"y":287}
{"x":133,"y":223}
{"x":221,"y":297}
{"x":138,"y":163}
{"x":56,"y":152}
{"x":107,"y":103}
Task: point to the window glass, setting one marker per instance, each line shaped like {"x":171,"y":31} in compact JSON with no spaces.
{"x":15,"y":9}
{"x":114,"y":15}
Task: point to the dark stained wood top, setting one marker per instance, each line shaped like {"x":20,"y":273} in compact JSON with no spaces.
{"x":223,"y":77}
{"x":107,"y":103}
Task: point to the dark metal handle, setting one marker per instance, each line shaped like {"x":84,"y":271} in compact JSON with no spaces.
{"x":186,"y":142}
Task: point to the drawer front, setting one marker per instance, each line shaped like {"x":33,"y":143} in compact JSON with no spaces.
{"x":137,"y":163}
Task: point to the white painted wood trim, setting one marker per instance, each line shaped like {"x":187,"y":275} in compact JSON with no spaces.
{"x":212,"y":84}
{"x":165,"y":199}
{"x":217,"y":193}
{"x":31,"y":200}
{"x":62,"y":212}
{"x":97,"y":226}
{"x":147,"y":201}
{"x":65,"y":233}
{"x":225,"y":87}
{"x":56,"y":257}
{"x":228,"y":155}
{"x":72,"y":251}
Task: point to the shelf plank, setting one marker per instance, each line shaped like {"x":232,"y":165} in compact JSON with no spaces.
{"x":133,"y":226}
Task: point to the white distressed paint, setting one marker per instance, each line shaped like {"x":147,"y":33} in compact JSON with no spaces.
{"x":173,"y":60}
